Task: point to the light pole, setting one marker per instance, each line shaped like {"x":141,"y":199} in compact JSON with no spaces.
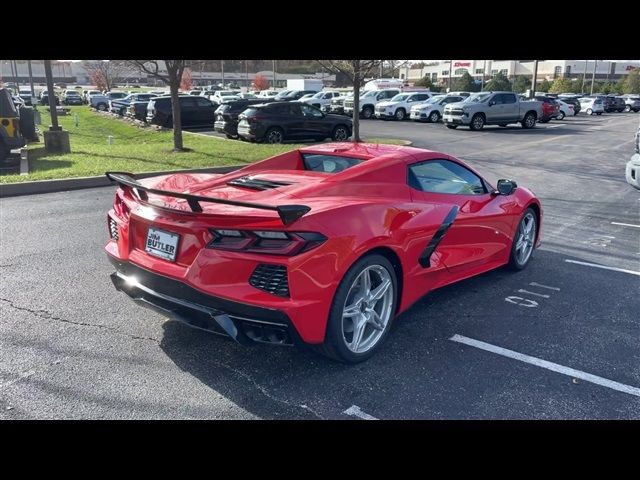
{"x":593,"y":76}
{"x":55,"y":139}
{"x":534,"y":79}
{"x":222,"y":67}
{"x":274,"y":73}
{"x":450,"y":72}
{"x":484,"y":69}
{"x":584,"y":76}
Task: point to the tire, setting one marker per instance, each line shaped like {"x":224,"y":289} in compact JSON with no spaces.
{"x":340,"y":134}
{"x":231,"y":137}
{"x":274,"y":135}
{"x":400,"y":114}
{"x":452,"y":127}
{"x":521,"y":253}
{"x":122,"y":112}
{"x":367,"y":112}
{"x":339,"y":338}
{"x":434,"y":117}
{"x":589,"y":111}
{"x":529,"y":120}
{"x":560,"y":116}
{"x":102,"y":107}
{"x":477,"y":122}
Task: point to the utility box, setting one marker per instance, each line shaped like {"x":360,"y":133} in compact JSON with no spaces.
{"x":305,"y":84}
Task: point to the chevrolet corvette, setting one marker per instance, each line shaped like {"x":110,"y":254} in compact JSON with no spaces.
{"x":324,"y":245}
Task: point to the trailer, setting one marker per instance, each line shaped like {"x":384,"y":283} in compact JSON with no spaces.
{"x":314,"y":84}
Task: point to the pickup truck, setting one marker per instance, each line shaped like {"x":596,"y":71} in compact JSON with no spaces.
{"x":120,"y":105}
{"x":492,"y":108}
{"x":101,"y":102}
{"x":369,"y":99}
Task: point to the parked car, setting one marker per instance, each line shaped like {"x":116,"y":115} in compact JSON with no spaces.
{"x":617,"y":104}
{"x":247,"y":96}
{"x":571,"y":100}
{"x":336,"y":106}
{"x":293,"y":95}
{"x":227,"y":115}
{"x":44,"y":98}
{"x":279,"y":121}
{"x":267,"y":93}
{"x":550,"y":108}
{"x":324,"y":245}
{"x":592,"y":105}
{"x":492,"y":108}
{"x":10,"y":136}
{"x":399,"y":106}
{"x":86,"y":97}
{"x":565,"y":110}
{"x":281,"y":94}
{"x":608,"y":103}
{"x":120,"y":105}
{"x":25,"y":95}
{"x":138,"y":110}
{"x":432,"y":109}
{"x":101,"y":102}
{"x":633,"y":166}
{"x":368,"y":101}
{"x":195,"y":111}
{"x":631,"y":103}
{"x":220,"y":96}
{"x":71,"y":97}
{"x":321,"y":98}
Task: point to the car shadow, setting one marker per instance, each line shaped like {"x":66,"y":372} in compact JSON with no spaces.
{"x":282,"y":382}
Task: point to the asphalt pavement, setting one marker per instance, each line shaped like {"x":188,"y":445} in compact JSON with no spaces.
{"x":558,"y":340}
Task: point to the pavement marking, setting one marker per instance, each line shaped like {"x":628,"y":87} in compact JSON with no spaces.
{"x":625,"y":224}
{"x":522,"y":290}
{"x":536,"y":284}
{"x":615,"y":269}
{"x":525,"y":301}
{"x":355,"y":411}
{"x":554,"y":367}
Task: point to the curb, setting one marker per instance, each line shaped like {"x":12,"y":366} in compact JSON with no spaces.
{"x":50,"y":186}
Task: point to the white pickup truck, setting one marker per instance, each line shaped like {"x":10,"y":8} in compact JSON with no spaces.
{"x":400,"y":105}
{"x":368,"y":101}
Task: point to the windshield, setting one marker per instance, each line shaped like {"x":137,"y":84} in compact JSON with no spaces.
{"x":370,"y":93}
{"x":283,"y":93}
{"x":400,"y":98}
{"x":318,"y":95}
{"x":72,"y":93}
{"x":478,"y":97}
{"x":227,"y":94}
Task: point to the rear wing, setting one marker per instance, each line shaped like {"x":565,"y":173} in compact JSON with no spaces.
{"x":287,"y":213}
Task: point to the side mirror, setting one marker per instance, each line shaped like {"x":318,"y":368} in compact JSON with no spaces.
{"x":506,"y":187}
{"x":492,"y":103}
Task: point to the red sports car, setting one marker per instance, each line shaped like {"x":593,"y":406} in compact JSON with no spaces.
{"x":324,"y":245}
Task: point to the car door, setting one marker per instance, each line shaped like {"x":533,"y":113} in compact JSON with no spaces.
{"x":205,"y":110}
{"x":293,"y":120}
{"x":479,"y":233}
{"x":315,"y":124}
{"x":188,"y":111}
{"x":510,"y":107}
{"x":495,"y":110}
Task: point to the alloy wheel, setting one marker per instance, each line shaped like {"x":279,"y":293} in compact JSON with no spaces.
{"x":525,"y":238}
{"x":367,"y":309}
{"x":274,"y":136}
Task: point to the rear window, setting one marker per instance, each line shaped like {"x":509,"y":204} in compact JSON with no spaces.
{"x":328,"y":163}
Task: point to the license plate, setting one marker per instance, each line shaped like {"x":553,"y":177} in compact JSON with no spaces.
{"x":162,"y":244}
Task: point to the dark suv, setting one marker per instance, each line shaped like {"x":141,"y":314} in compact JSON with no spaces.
{"x":195,"y":111}
{"x":277,"y":122}
{"x":617,"y":104}
{"x":227,"y":115}
{"x":293,"y":95}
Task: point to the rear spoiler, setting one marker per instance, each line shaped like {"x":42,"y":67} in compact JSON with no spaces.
{"x":287,"y":213}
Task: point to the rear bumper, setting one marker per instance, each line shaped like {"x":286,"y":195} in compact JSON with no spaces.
{"x":227,"y":128}
{"x":246,"y":324}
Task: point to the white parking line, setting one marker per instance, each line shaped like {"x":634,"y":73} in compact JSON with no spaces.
{"x":615,"y":269}
{"x":522,"y":290}
{"x":536,"y":284}
{"x":625,"y":224}
{"x":355,"y":411}
{"x":554,"y":367}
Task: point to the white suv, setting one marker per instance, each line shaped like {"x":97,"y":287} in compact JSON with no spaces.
{"x":431,"y":110}
{"x":591,"y":105}
{"x":400,"y":105}
{"x":633,"y":166}
{"x":321,"y":98}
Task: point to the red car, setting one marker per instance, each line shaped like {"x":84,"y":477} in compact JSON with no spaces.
{"x":324,"y":245}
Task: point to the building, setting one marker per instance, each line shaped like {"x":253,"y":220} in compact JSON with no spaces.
{"x":76,"y":72}
{"x":440,"y":71}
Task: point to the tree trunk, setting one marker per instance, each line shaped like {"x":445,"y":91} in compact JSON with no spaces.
{"x":174,"y":86}
{"x":356,"y":101}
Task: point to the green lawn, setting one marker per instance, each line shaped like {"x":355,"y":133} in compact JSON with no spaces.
{"x":134,"y":149}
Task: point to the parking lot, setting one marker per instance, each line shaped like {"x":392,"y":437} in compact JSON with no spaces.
{"x":558,"y":340}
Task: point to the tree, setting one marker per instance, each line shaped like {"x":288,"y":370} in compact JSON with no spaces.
{"x":498,"y":83}
{"x":544,"y":86}
{"x":465,"y":83}
{"x":187,"y":80}
{"x":171,"y":75}
{"x":104,"y":73}
{"x":561,"y":85}
{"x":632,"y":82}
{"x":521,"y":84}
{"x":261,"y":82}
{"x":356,"y":71}
{"x":607,"y":87}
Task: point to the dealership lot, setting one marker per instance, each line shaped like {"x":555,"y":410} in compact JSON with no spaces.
{"x":72,"y":347}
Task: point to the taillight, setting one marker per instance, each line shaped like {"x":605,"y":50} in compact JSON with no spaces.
{"x":120,"y":208}
{"x":264,"y":241}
